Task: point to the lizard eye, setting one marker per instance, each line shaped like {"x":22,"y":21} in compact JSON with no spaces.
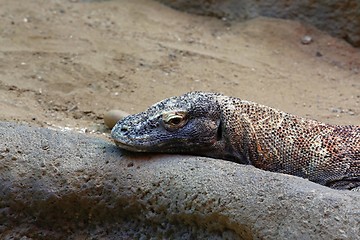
{"x":174,"y":120}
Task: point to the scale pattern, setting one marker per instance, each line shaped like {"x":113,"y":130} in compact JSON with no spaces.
{"x":225,"y":127}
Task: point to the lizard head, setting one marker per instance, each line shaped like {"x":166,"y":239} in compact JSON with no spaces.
{"x":185,"y":124}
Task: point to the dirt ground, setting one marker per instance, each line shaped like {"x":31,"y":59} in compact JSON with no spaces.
{"x":64,"y":63}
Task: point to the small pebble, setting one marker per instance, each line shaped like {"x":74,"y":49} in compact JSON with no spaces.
{"x":113,"y":116}
{"x":306,"y":39}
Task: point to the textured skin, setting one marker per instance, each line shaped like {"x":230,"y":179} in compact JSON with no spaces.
{"x":218,"y":126}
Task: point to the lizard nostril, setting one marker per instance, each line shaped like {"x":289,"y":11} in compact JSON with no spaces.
{"x":124,"y":129}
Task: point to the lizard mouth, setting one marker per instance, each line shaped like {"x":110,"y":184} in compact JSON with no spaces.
{"x":159,"y":147}
{"x":128,"y":147}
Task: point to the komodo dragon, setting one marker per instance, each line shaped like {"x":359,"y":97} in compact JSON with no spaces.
{"x":218,"y":126}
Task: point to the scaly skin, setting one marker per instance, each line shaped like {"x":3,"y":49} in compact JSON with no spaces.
{"x":214,"y":125}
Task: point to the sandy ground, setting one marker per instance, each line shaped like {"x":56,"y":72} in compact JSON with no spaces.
{"x":65,"y":63}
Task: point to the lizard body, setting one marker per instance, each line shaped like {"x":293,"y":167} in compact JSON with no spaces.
{"x":218,"y":126}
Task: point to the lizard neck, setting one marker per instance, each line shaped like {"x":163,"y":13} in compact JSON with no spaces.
{"x":263,"y":136}
{"x":279,"y":142}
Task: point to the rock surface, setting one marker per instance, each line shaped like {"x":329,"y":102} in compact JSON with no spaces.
{"x":56,"y":185}
{"x":340,"y":18}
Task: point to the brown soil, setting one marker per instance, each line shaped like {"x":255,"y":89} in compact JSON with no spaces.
{"x":65,"y":63}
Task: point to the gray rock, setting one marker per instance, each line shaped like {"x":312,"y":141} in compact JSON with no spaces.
{"x":56,"y":185}
{"x":339,"y":18}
